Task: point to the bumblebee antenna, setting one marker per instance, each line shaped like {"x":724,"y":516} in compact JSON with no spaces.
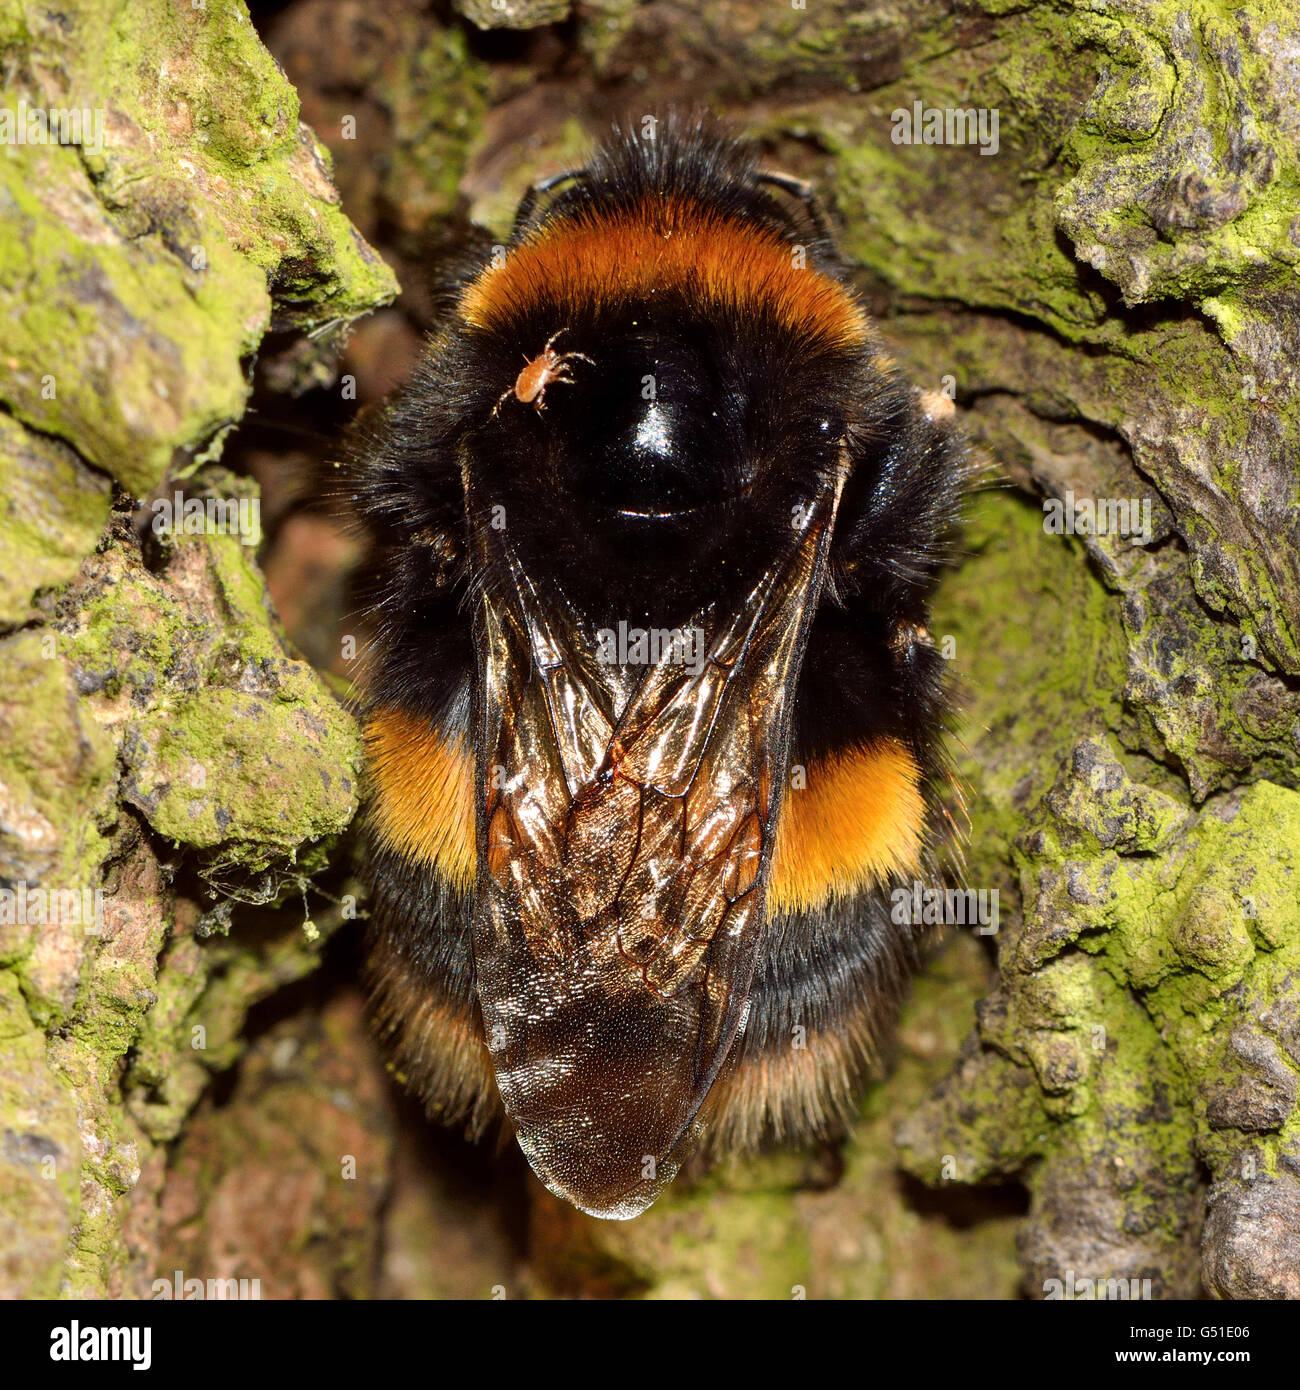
{"x":526,"y":211}
{"x":806,"y":194}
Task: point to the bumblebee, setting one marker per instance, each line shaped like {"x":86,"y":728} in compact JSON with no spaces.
{"x":654,"y":721}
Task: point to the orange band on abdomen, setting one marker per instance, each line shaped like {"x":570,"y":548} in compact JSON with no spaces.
{"x":423,"y":803}
{"x":858,"y":817}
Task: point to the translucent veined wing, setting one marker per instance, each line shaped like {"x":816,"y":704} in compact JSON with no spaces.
{"x":625,"y":834}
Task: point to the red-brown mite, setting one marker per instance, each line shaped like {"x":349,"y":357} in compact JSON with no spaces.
{"x":547,"y":367}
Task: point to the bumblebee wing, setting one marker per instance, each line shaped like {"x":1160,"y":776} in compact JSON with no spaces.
{"x":625,"y":836}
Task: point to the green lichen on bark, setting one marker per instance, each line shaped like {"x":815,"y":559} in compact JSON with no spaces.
{"x":399,"y":99}
{"x":138,"y":268}
{"x":149,"y":706}
{"x":1132,"y":732}
{"x":174,"y":720}
{"x":226,"y":739}
{"x":53,"y":511}
{"x":1113,"y":299}
{"x":292,"y":1171}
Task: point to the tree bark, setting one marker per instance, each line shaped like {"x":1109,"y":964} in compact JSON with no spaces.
{"x":1102,"y":1089}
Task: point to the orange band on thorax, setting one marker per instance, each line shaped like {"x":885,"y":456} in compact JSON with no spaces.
{"x":667,"y":246}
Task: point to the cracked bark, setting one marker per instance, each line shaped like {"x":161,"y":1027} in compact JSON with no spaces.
{"x":1113,"y":299}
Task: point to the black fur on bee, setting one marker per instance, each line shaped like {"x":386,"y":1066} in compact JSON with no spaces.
{"x":654,"y":721}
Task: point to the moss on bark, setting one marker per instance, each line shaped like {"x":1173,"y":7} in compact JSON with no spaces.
{"x":147,"y":701}
{"x":1111,"y":297}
